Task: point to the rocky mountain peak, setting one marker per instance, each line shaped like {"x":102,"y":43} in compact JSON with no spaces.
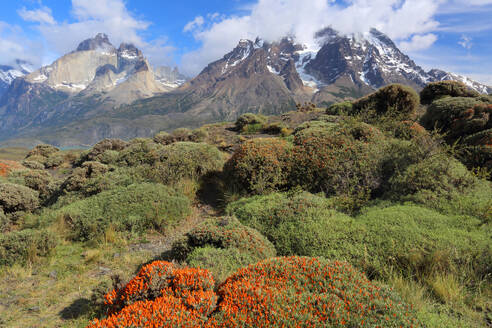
{"x":100,"y":41}
{"x":129,"y":51}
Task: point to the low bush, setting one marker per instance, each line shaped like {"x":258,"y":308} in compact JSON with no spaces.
{"x":181,"y":135}
{"x":25,"y":246}
{"x":33,"y":165}
{"x":136,"y":208}
{"x":437,"y":90}
{"x":296,"y":223}
{"x":43,"y":150}
{"x":396,"y":101}
{"x":439,"y":175}
{"x":408,"y":130}
{"x":343,"y":108}
{"x":79,"y":179}
{"x":456,"y":117}
{"x":278,"y":292}
{"x":344,"y":160}
{"x":248,"y":119}
{"x":140,"y":151}
{"x":14,"y":198}
{"x":105,"y":151}
{"x":422,"y":242}
{"x":478,"y":150}
{"x":306,"y":292}
{"x":55,"y":160}
{"x":317,"y":124}
{"x":275,"y":128}
{"x":187,"y":160}
{"x":260,"y":165}
{"x":4,"y":221}
{"x":183,"y":293}
{"x":40,"y":181}
{"x":222,"y":238}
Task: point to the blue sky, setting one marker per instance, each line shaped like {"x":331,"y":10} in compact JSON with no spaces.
{"x":455,"y":35}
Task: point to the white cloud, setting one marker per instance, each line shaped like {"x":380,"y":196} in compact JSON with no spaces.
{"x":402,"y":20}
{"x":42,"y":15}
{"x":418,"y":42}
{"x":90,"y":17}
{"x":15,"y":45}
{"x":465,"y":42}
{"x":197,"y":22}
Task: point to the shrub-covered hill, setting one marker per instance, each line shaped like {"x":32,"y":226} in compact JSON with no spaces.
{"x":382,"y":208}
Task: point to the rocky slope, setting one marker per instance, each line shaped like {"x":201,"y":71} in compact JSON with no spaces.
{"x":95,"y":77}
{"x":8,"y":73}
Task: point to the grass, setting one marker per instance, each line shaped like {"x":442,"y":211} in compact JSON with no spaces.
{"x":13,"y":153}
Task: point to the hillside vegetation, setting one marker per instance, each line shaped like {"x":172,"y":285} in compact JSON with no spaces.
{"x":372,"y":213}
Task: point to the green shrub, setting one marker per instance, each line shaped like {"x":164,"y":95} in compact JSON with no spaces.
{"x":274,"y":128}
{"x":186,"y":160}
{"x":343,"y":108}
{"x":25,"y":246}
{"x":40,"y":160}
{"x":408,"y":130}
{"x":420,"y":241}
{"x":140,"y":151}
{"x":163,"y":138}
{"x":135,"y":208}
{"x":323,"y":125}
{"x":439,"y":175}
{"x":79,"y":179}
{"x":4,"y":221}
{"x":54,"y":160}
{"x":394,"y":100}
{"x":105,"y":151}
{"x":438,"y":90}
{"x":43,"y":150}
{"x":260,"y":165}
{"x":446,"y":113}
{"x":343,"y":160}
{"x":14,"y":198}
{"x":199,"y":135}
{"x":296,"y":223}
{"x":181,"y":135}
{"x":248,"y":119}
{"x":478,"y":151}
{"x":32,"y":165}
{"x":40,"y":181}
{"x":222,"y":245}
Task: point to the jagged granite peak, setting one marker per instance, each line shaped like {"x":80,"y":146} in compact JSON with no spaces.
{"x":100,"y":41}
{"x":369,"y":59}
{"x":129,"y":51}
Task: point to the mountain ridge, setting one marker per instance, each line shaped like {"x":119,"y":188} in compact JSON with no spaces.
{"x":123,"y":96}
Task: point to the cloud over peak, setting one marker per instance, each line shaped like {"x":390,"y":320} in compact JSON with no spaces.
{"x":405,"y":21}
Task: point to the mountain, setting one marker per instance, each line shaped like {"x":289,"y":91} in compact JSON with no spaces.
{"x":170,"y":77}
{"x":99,"y":91}
{"x":92,"y":79}
{"x":9,"y":73}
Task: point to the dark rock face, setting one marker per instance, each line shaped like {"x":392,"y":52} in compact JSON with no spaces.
{"x":100,"y":41}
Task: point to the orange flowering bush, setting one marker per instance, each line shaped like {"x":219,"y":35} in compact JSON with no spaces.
{"x":307,"y":292}
{"x":260,"y":165}
{"x":278,"y":292}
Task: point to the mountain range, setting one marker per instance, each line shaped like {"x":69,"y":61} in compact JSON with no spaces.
{"x":100,"y":91}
